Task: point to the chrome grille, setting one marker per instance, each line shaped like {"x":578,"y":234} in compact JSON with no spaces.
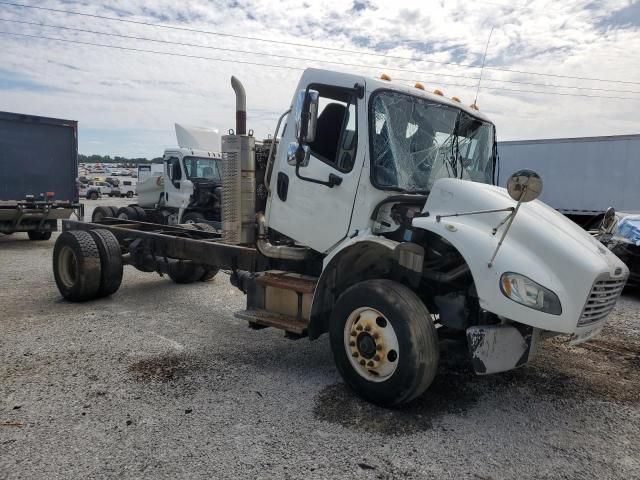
{"x":602,"y":299}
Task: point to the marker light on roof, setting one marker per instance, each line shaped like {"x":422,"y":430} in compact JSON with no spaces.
{"x":419,"y":86}
{"x":474,"y":106}
{"x":386,"y":77}
{"x":455,"y":99}
{"x":438,"y":92}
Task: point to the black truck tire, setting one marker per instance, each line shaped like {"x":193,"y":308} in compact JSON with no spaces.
{"x":127,"y":213}
{"x":76,"y":265}
{"x":193,"y":217}
{"x":129,"y":194}
{"x":101,"y":212}
{"x":209,"y":273}
{"x":185,"y":272}
{"x":142,"y":215}
{"x":110,"y":262}
{"x":93,"y":195}
{"x":384,"y":342}
{"x":36,"y":235}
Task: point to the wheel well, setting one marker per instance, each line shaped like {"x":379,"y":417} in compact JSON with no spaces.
{"x":442,"y":281}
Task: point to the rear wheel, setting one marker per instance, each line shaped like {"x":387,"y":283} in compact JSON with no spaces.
{"x":142,"y":215}
{"x":185,"y":272}
{"x":76,"y":266}
{"x":384,"y":342}
{"x":193,"y":217}
{"x":35,"y":235}
{"x":101,"y":212}
{"x":110,"y":262}
{"x":127,"y":213}
{"x":209,"y":273}
{"x":129,"y":194}
{"x":93,"y":195}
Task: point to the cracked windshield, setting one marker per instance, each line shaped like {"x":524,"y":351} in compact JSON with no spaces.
{"x":415,"y":142}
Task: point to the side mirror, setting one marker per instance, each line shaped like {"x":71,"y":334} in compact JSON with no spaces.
{"x":306,"y":115}
{"x":297,"y":155}
{"x":608,"y":219}
{"x":524,"y":186}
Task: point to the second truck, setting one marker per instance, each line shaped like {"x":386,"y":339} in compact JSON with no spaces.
{"x":376,"y":221}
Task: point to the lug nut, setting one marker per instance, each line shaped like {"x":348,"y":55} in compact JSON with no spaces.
{"x":370,"y":364}
{"x":378,"y":347}
{"x":362,"y":362}
{"x":359,"y":327}
{"x":352,"y":344}
{"x":377,"y":358}
{"x":367,"y":328}
{"x":353,"y":333}
{"x":355,"y":354}
{"x":376,"y":336}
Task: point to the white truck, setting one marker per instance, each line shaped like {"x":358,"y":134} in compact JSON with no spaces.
{"x":185,"y":189}
{"x":381,"y":227}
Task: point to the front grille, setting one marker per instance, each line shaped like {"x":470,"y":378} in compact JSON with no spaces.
{"x":602,"y":299}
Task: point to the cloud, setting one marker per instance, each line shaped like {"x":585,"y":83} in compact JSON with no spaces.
{"x":129,"y":101}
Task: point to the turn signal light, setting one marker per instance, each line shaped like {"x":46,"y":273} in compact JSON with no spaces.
{"x":385,"y":77}
{"x":438,"y":92}
{"x":419,"y":86}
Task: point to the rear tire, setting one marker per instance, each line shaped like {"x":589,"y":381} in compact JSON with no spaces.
{"x":184,"y":272}
{"x":101,"y":212}
{"x":209,"y":273}
{"x":93,"y":196}
{"x":37,"y":236}
{"x":110,"y":262}
{"x":76,"y":266}
{"x":193,"y":217}
{"x":384,"y":342}
{"x":127,"y":213}
{"x":142,"y":215}
{"x":129,"y":194}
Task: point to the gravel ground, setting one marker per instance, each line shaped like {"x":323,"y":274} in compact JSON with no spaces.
{"x":161,"y":381}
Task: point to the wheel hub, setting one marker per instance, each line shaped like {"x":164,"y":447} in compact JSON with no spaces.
{"x":371,"y":344}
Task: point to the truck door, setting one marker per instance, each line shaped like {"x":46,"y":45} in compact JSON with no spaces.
{"x":316,"y":215}
{"x":172,"y":181}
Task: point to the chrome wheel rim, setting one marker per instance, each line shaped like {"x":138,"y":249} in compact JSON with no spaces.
{"x":371,"y":344}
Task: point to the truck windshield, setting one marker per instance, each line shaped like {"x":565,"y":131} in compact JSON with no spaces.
{"x":198,"y":167}
{"x":415,"y":141}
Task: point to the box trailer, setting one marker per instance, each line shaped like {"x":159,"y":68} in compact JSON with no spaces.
{"x":583,"y":176}
{"x":38,"y":173}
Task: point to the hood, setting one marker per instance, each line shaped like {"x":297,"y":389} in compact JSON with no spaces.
{"x":541,"y":244}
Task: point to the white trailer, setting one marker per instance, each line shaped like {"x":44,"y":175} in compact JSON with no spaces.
{"x":583,"y":176}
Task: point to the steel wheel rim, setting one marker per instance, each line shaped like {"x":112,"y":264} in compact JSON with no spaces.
{"x":68,"y":267}
{"x":371,"y":344}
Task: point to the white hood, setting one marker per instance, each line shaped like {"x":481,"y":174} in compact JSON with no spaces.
{"x":542,"y":244}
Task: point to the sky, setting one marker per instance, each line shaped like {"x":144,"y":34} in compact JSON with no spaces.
{"x":126,"y":102}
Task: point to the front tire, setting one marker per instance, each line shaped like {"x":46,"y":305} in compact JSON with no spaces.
{"x":384,"y":342}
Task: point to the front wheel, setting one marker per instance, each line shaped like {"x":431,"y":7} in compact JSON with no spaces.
{"x":384,"y":342}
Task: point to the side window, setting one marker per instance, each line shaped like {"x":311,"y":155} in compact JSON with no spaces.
{"x":336,"y":131}
{"x":174,"y":171}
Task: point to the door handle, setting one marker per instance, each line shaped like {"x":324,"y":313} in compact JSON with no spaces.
{"x":282,"y":186}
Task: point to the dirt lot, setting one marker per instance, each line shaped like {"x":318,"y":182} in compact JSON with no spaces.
{"x":161,"y":381}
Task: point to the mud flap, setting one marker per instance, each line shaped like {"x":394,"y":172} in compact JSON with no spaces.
{"x":498,"y":348}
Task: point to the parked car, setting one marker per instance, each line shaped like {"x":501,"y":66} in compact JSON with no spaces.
{"x":127,"y":189}
{"x":112,"y":181}
{"x":105,"y":188}
{"x":89,"y":192}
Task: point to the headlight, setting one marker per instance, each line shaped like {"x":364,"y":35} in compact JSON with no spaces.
{"x":526,"y":292}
